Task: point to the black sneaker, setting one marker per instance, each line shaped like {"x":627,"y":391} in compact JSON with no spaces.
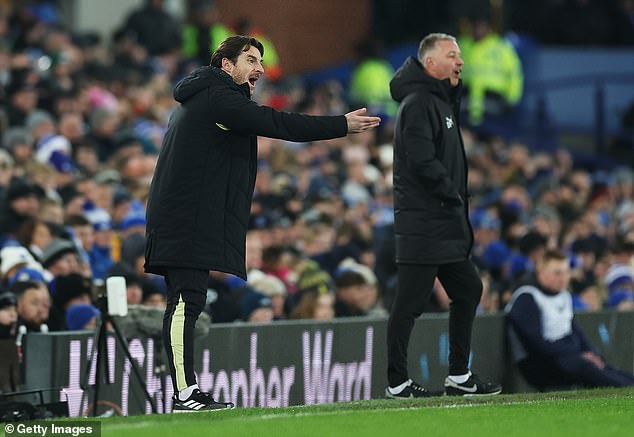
{"x":412,"y":390}
{"x":471,"y":387}
{"x":199,"y":401}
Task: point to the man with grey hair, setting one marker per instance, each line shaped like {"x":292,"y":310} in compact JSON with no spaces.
{"x":432,"y":231}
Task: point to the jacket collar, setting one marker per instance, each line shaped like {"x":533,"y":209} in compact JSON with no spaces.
{"x":244,"y":88}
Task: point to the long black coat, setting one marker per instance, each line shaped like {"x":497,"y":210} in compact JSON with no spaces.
{"x":431,"y":222}
{"x":200,"y":198}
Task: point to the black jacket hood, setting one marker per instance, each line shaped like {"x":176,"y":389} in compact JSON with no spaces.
{"x":411,"y":77}
{"x":203,"y":78}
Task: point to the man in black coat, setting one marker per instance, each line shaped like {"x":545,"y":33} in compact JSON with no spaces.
{"x":200,"y":198}
{"x":432,"y":231}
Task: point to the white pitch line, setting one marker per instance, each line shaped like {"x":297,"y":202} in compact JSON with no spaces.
{"x":144,"y":424}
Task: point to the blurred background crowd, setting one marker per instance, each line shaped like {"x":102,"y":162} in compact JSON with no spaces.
{"x":83,"y":116}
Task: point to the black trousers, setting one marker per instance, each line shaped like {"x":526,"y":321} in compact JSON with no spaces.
{"x":546,"y":373}
{"x":584,"y":372}
{"x":186,"y":295}
{"x":415,"y":282}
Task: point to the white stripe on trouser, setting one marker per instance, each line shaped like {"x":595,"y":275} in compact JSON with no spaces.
{"x":177,"y":330}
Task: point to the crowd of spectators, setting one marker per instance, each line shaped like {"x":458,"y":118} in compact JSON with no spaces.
{"x":82,"y":122}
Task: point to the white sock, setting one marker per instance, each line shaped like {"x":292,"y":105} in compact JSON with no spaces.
{"x":460,"y":379}
{"x":399,"y":388}
{"x":185,"y":393}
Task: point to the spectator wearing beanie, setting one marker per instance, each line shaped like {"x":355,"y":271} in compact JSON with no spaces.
{"x":133,"y":223}
{"x":271,"y":287}
{"x":68,"y":290}
{"x":256,"y":307}
{"x":60,"y":257}
{"x":315,"y":297}
{"x":28,"y":274}
{"x":620,"y":282}
{"x":82,"y":316}
{"x":153,"y":296}
{"x":19,"y":143}
{"x":619,"y":278}
{"x":41,"y":125}
{"x":224,"y":298}
{"x":12,"y":259}
{"x":362,"y":285}
{"x":71,"y":289}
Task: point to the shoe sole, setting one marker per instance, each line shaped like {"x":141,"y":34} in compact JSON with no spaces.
{"x":467,"y":394}
{"x":202,"y":411}
{"x":436,"y":394}
{"x":389,"y":395}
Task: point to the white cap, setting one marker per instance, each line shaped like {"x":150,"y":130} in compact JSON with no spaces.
{"x":12,"y":256}
{"x":267,"y":284}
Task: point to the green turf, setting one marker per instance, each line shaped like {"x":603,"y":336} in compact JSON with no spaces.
{"x":604,"y":412}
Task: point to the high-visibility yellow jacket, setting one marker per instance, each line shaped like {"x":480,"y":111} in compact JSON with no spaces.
{"x":370,"y":84}
{"x":490,"y":65}
{"x":217,"y":34}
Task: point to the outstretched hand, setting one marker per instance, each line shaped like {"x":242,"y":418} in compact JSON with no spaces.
{"x":359,"y":122}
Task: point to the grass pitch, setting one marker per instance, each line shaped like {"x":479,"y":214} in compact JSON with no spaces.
{"x":602,"y":412}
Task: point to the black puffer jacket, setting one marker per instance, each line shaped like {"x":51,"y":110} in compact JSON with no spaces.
{"x":430,"y":170}
{"x":200,"y":198}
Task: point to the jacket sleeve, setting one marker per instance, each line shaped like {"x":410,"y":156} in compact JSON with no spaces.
{"x":527,"y":321}
{"x":420,"y":152}
{"x":582,"y":339}
{"x":513,"y":70}
{"x":241,"y":115}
